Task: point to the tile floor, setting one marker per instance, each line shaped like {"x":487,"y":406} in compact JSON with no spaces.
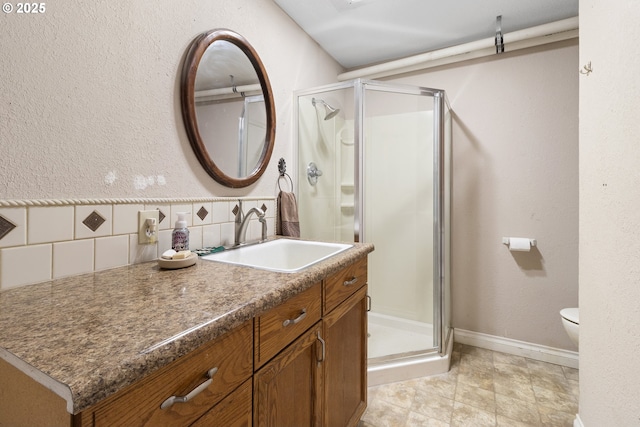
{"x":483,"y":388}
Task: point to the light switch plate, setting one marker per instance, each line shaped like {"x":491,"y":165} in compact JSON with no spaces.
{"x":145,"y":238}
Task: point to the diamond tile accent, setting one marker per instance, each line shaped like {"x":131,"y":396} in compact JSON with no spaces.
{"x":5,"y":226}
{"x":263,"y":207}
{"x":202,"y":213}
{"x":161,"y":215}
{"x":93,"y":221}
{"x":235,"y":210}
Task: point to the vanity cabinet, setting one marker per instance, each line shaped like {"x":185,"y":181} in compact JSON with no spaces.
{"x":301,"y":363}
{"x":319,"y":379}
{"x":345,"y":332}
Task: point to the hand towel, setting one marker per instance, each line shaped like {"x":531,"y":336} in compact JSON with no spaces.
{"x":288,"y":224}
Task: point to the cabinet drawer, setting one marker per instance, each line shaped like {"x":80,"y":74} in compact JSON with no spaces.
{"x":236,"y":410}
{"x":344,"y":283}
{"x":276,"y":328}
{"x":140,"y":404}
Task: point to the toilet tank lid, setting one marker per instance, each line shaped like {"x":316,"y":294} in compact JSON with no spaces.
{"x":571,"y":314}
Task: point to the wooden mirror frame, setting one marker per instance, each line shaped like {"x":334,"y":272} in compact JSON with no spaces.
{"x":187,"y":88}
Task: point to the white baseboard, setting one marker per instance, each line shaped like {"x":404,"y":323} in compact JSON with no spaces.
{"x":519,"y":348}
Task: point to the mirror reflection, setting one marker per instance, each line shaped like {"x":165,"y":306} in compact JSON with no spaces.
{"x":228,"y":108}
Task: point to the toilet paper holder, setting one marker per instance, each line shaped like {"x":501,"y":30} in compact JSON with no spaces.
{"x":505,"y":241}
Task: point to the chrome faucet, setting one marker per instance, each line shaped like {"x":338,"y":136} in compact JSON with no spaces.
{"x":242,"y":222}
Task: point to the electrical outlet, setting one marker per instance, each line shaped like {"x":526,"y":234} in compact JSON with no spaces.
{"x":148,"y":226}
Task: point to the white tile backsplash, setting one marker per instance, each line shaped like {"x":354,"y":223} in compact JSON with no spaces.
{"x":17,"y":236}
{"x":24,"y":265}
{"x":52,"y":242}
{"x":271,"y":208}
{"x":141,"y":253}
{"x":222,"y":212}
{"x":125,"y":218}
{"x":227,"y":234}
{"x":211,"y":235}
{"x":49,"y":224}
{"x":71,"y":258}
{"x":112,"y":252}
{"x":195,"y":238}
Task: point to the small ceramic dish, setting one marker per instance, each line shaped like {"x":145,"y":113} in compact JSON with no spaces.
{"x":172,"y":264}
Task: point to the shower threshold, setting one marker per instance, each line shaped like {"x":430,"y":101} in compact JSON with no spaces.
{"x":409,"y":361}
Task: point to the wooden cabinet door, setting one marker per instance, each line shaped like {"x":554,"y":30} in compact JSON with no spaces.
{"x":287,"y":391}
{"x":345,"y":370}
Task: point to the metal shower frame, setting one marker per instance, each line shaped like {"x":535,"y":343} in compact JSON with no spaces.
{"x":360,"y":86}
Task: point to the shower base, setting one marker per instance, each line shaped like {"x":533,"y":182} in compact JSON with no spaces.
{"x":396,"y":350}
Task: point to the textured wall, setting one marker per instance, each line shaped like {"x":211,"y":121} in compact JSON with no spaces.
{"x":515,"y":173}
{"x":89,"y":95}
{"x":609,"y":218}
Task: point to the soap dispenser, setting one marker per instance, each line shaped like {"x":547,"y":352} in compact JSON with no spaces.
{"x":180,"y":235}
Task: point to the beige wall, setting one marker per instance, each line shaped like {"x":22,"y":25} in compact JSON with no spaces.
{"x":515,"y":173}
{"x":609,"y":214}
{"x":89,"y":95}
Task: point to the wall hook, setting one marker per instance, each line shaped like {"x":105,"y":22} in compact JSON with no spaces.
{"x":499,"y":38}
{"x":586,"y":69}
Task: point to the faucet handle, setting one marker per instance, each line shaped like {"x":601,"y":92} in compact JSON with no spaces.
{"x":237,"y":211}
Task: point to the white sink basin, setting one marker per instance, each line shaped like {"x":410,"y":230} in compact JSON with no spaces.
{"x":282,"y":255}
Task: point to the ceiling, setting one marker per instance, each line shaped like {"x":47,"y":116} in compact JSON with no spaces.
{"x":363,"y":32}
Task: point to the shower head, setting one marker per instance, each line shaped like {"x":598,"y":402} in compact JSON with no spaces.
{"x":330,"y":111}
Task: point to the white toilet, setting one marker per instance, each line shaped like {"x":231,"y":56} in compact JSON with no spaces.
{"x":571,"y":323}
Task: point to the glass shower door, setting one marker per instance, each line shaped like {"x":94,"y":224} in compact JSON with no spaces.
{"x":398,"y":218}
{"x":383,"y":151}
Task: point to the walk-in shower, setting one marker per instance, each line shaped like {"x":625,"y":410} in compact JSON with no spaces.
{"x":379,"y":154}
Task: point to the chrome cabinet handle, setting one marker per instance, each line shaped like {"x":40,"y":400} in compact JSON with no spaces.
{"x":193,"y":393}
{"x":324,"y":353}
{"x":350,"y":282}
{"x":288,"y":322}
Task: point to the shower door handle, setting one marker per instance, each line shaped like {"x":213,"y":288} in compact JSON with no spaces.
{"x":313,"y":173}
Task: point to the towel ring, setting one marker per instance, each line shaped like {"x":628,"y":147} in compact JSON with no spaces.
{"x":290,"y":180}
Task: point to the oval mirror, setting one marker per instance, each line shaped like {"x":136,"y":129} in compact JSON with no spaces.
{"x":227,"y":107}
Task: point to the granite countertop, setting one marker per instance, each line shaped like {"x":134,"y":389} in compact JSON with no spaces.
{"x":86,"y":337}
